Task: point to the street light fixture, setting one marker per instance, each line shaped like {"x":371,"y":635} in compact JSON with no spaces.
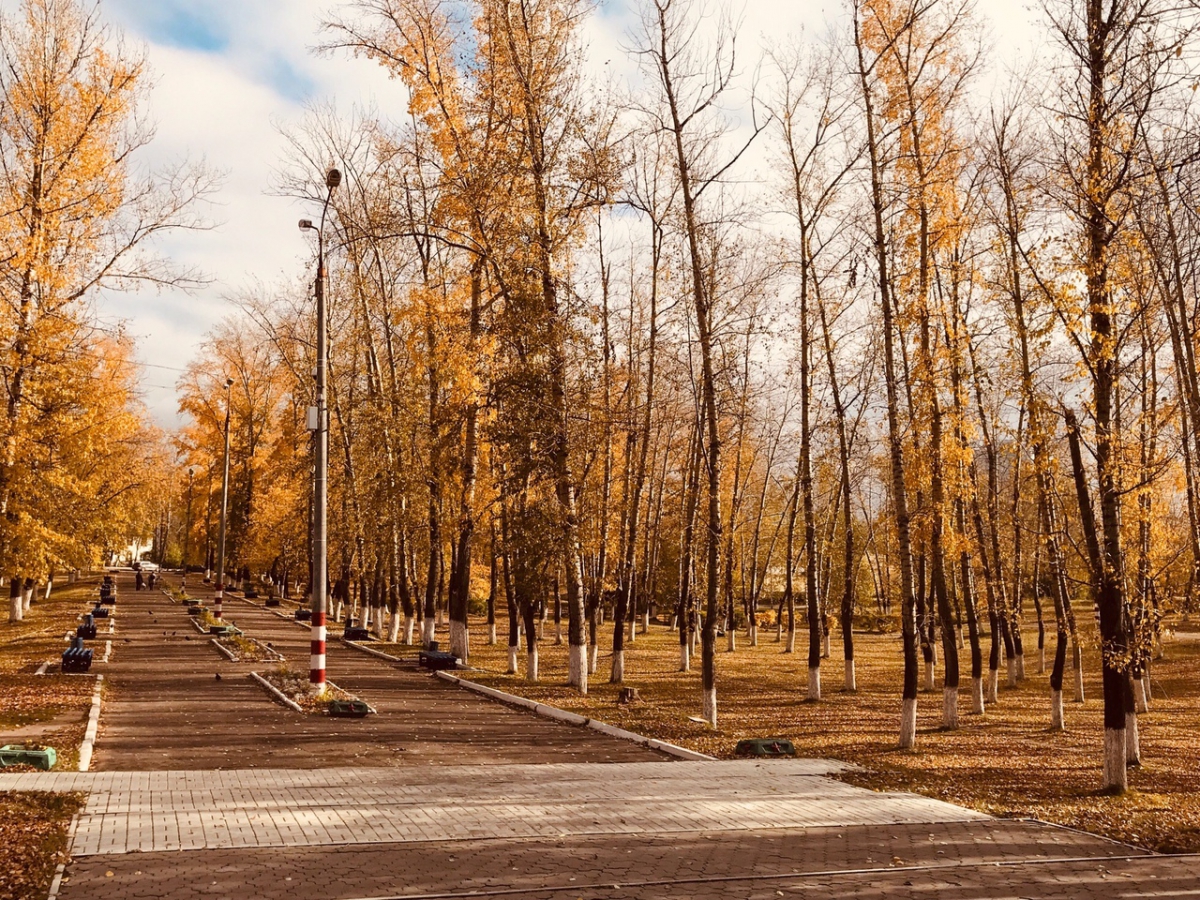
{"x":220,"y":592}
{"x":318,"y":422}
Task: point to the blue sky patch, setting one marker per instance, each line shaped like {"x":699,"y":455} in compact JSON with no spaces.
{"x":191,"y":25}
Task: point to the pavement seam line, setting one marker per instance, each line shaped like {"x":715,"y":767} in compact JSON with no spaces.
{"x":93,"y":726}
{"x":279,"y":695}
{"x":561,"y":715}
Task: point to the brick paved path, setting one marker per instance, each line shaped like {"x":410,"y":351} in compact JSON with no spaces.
{"x":164,"y":708}
{"x":207,"y":789}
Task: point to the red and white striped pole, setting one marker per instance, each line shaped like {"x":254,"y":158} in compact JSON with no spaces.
{"x":316,"y":664}
{"x":216,"y":610}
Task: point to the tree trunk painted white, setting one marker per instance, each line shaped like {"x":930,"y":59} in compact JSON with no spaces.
{"x":978,"y":708}
{"x":1020,"y":667}
{"x":600,"y":611}
{"x":1146,"y":693}
{"x":460,"y":641}
{"x":593,"y":658}
{"x":429,"y":631}
{"x":577,"y":671}
{"x":512,"y":660}
{"x":814,"y":683}
{"x":674,"y":620}
{"x":850,"y":684}
{"x":492,"y":634}
{"x":950,"y":708}
{"x":408,"y":631}
{"x":791,"y":642}
{"x":394,"y":628}
{"x":1057,"y":722}
{"x":1139,"y":696}
{"x":541,"y":628}
{"x":753,"y":635}
{"x":337,"y":614}
{"x":27,"y":593}
{"x":441,"y":620}
{"x":71,"y":576}
{"x":645,"y":621}
{"x":779,"y":631}
{"x":1077,"y":654}
{"x":531,"y":664}
{"x":993,"y":690}
{"x":695,"y":638}
{"x":731,"y":640}
{"x":379,"y":625}
{"x":710,"y":707}
{"x":1133,"y":747}
{"x":16,"y":609}
{"x":685,"y":658}
{"x":908,"y":724}
{"x":49,"y":587}
{"x":930,"y":675}
{"x":1115,"y":777}
{"x":1012,"y":671}
{"x":618,"y":667}
{"x":632,"y":630}
{"x":558,"y":633}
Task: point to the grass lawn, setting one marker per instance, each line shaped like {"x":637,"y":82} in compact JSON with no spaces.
{"x":33,"y":826}
{"x":1005,"y":763}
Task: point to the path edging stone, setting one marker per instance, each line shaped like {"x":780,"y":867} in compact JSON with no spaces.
{"x":279,"y":695}
{"x":93,"y":726}
{"x":562,"y":715}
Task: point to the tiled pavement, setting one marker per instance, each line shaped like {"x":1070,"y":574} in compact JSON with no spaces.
{"x":147,"y":812}
{"x":469,"y":798}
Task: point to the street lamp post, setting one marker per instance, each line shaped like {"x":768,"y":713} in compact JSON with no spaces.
{"x":187,"y":525}
{"x":220,"y":592}
{"x":319,"y":423}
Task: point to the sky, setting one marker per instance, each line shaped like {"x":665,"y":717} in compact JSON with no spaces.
{"x":230,"y":74}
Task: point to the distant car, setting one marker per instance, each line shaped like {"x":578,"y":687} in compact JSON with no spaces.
{"x":148,"y":566}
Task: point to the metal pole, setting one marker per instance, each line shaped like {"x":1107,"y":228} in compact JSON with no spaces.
{"x":187,"y":526}
{"x":220,"y":592}
{"x":316,"y":669}
{"x":316,"y":673}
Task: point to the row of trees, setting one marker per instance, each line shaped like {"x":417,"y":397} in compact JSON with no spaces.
{"x":932,"y":363}
{"x":78,"y":461}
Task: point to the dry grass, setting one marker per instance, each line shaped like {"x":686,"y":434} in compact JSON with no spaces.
{"x":294,"y":685}
{"x":1005,"y":763}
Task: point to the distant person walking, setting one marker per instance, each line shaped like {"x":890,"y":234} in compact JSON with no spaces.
{"x":139,"y":582}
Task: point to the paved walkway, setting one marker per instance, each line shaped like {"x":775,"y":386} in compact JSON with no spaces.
{"x":146,"y":812}
{"x":208,"y":789}
{"x":165,"y":709}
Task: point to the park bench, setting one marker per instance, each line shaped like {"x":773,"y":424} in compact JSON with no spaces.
{"x":76,"y":658}
{"x":437,"y":660}
{"x":87,"y":629}
{"x":304,"y":614}
{"x":355,"y":632}
{"x":99,"y":612}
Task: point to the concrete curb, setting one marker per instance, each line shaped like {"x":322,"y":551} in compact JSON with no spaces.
{"x":225,"y":651}
{"x":61,"y":869}
{"x":278,"y":694}
{"x":93,"y":726}
{"x":377,"y":653}
{"x":561,"y":715}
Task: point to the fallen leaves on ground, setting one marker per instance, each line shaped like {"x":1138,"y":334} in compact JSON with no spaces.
{"x":33,"y":833}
